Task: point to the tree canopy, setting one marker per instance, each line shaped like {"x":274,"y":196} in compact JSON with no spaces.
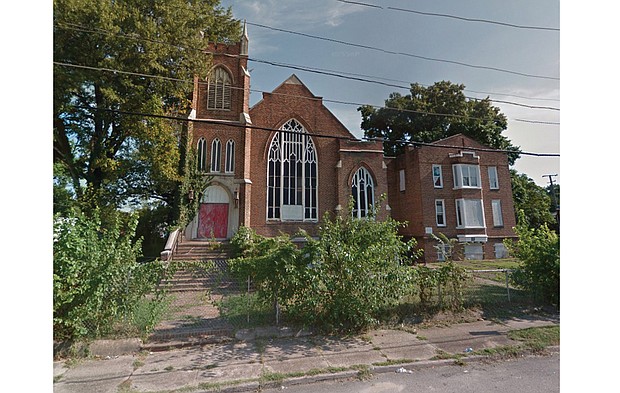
{"x":532,"y":200}
{"x":116,"y":59}
{"x":435,"y":112}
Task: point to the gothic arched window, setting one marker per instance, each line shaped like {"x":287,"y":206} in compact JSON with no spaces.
{"x":363,"y":191}
{"x":230,"y":157}
{"x":202,"y":155}
{"x":292,"y":175}
{"x":218,"y":89}
{"x":216,"y":155}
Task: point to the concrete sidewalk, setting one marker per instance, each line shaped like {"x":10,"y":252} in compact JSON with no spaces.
{"x":248,"y":364}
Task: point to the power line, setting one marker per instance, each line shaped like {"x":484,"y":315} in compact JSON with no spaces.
{"x":339,"y":74}
{"x":474,"y":19}
{"x":403,"y":53}
{"x":282,"y":94}
{"x":479,"y":20}
{"x":317,"y":135}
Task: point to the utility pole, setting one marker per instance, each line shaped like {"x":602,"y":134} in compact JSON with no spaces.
{"x":553,"y":197}
{"x":554,"y":200}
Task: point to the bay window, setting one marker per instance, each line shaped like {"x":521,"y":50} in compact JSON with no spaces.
{"x":469,"y":213}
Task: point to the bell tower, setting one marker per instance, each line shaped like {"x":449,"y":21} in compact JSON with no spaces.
{"x":221,"y":140}
{"x":225,"y":93}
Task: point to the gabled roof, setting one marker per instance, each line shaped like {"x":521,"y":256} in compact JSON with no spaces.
{"x":458,"y":140}
{"x":294,"y":80}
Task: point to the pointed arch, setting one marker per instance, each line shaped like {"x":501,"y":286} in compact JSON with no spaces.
{"x":229,"y":167}
{"x":219,"y":89}
{"x":216,"y":155}
{"x":292,"y":175}
{"x":201,"y":159}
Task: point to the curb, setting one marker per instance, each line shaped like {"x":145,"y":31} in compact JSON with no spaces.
{"x":351,"y":374}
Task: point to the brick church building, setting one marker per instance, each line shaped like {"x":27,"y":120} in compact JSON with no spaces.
{"x":279,"y":165}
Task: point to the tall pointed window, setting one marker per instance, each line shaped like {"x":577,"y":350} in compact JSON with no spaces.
{"x":230,"y":157}
{"x":216,"y":155}
{"x":218,"y":89}
{"x":202,"y":155}
{"x":363,"y":191}
{"x":292,"y":175}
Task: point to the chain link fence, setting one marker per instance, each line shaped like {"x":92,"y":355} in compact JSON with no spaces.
{"x":203,"y":299}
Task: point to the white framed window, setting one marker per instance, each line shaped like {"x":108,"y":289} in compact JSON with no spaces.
{"x":466,"y":176}
{"x":218,"y":89}
{"x":401,"y":179}
{"x":202,"y":155}
{"x":498,"y":220}
{"x":440,"y":212}
{"x":469,"y":213}
{"x":363,"y":191}
{"x":292,"y":168}
{"x":229,"y":167}
{"x":493,"y":181}
{"x":216,"y":155}
{"x":437,"y":176}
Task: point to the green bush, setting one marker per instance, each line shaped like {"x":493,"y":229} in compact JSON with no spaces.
{"x":538,"y":251}
{"x":97,"y":281}
{"x":341,"y":282}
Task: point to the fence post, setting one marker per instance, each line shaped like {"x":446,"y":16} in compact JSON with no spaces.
{"x":507,"y":286}
{"x":248,"y":297}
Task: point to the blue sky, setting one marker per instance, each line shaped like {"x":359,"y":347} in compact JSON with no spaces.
{"x":514,"y":50}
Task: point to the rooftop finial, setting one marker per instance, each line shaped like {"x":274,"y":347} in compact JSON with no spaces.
{"x":244,"y":39}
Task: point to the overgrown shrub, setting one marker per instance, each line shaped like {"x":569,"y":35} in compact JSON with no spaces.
{"x":341,"y":282}
{"x":97,"y":281}
{"x":538,"y":250}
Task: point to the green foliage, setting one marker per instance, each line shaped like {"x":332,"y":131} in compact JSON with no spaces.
{"x":416,"y":120}
{"x":538,"y":250}
{"x":341,"y":282}
{"x":532,"y":199}
{"x":445,"y":283}
{"x":97,"y":281}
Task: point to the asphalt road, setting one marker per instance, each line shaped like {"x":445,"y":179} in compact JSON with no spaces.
{"x":529,"y":374}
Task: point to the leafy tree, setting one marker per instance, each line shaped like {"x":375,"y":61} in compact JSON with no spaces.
{"x":110,"y":156}
{"x":532,"y":200}
{"x":97,"y":281}
{"x":435,"y":112}
{"x":538,"y":250}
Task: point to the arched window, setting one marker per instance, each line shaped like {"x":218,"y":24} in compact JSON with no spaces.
{"x":230,"y":157}
{"x":216,"y":155}
{"x":218,"y":89}
{"x":202,"y":155}
{"x":363,"y":191}
{"x":292,"y":175}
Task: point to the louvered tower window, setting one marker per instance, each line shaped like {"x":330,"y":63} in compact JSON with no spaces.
{"x":218,"y":89}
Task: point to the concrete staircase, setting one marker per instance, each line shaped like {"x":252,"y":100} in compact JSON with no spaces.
{"x":199,"y":265}
{"x":201,"y":250}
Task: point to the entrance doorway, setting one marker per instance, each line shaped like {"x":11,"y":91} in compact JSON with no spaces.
{"x":213,"y":213}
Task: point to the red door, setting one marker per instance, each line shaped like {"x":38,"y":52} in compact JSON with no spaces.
{"x":213,"y":220}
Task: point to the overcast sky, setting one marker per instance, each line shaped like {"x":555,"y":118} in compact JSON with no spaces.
{"x":478,"y":45}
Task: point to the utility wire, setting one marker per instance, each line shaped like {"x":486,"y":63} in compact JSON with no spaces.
{"x":338,"y":74}
{"x":402,"y":53}
{"x":479,"y":20}
{"x":317,"y":135}
{"x":287,"y":95}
